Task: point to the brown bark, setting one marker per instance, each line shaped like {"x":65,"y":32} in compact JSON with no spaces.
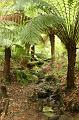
{"x":7,"y":63}
{"x":71,"y":49}
{"x":52,"y":42}
{"x":27,"y":49}
{"x":17,"y":17}
{"x":32,"y":52}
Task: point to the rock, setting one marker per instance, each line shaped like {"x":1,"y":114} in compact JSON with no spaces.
{"x":57,"y":97}
{"x":43,"y":94}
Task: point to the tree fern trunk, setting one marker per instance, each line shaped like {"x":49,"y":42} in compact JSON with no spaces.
{"x":71,"y":49}
{"x":32,"y":52}
{"x":52,"y":42}
{"x":7,"y":63}
{"x":27,"y":49}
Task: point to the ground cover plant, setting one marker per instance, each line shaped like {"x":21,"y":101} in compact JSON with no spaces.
{"x":39,"y":60}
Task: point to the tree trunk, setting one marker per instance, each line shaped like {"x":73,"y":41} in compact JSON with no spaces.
{"x":71,"y":49}
{"x":32,"y":52}
{"x":52,"y":42}
{"x":7,"y":63}
{"x":27,"y":49}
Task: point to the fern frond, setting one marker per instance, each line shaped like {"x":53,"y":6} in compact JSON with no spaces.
{"x":8,"y":32}
{"x":76,"y":28}
{"x":32,"y":31}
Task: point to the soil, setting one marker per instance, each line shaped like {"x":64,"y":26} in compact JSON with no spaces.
{"x":20,"y":107}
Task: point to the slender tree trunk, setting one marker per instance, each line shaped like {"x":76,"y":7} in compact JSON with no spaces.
{"x":71,"y":49}
{"x":7,"y":63}
{"x":52,"y":42}
{"x":32,"y":52}
{"x":27,"y":49}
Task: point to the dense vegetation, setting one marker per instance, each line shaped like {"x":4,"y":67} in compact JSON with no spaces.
{"x":39,"y":44}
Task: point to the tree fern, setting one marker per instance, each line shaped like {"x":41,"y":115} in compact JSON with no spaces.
{"x":62,"y":18}
{"x":8,"y":33}
{"x":41,"y":24}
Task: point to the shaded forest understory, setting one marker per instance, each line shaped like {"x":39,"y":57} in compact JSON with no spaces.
{"x":45,"y":98}
{"x":23,"y":105}
{"x":39,"y":60}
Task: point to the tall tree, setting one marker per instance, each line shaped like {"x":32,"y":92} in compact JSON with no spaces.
{"x":32,"y":10}
{"x":52,"y":43}
{"x":8,"y":31}
{"x":6,"y":39}
{"x":63,"y":18}
{"x":32,"y":52}
{"x":9,"y":26}
{"x":7,"y":63}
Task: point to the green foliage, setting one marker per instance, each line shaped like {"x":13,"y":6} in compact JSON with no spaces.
{"x":60,"y":50}
{"x":25,"y":77}
{"x":38,"y":25}
{"x":60,"y":15}
{"x":48,"y":111}
{"x":19,"y":51}
{"x":30,"y":10}
{"x":42,"y":51}
{"x":22,"y":77}
{"x":70,"y":2}
{"x":8,"y":32}
{"x":41,"y":56}
{"x":5,"y":7}
{"x":60,"y":69}
{"x":62,"y":18}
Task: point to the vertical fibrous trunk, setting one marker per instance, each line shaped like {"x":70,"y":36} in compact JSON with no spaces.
{"x":27,"y":49}
{"x":52,"y":42}
{"x":71,"y":49}
{"x":32,"y":52}
{"x":7,"y":63}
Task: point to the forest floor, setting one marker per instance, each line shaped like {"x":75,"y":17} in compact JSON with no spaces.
{"x":22,"y":108}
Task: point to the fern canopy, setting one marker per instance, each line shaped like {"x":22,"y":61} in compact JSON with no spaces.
{"x":60,"y":15}
{"x":8,"y":33}
{"x":32,"y":31}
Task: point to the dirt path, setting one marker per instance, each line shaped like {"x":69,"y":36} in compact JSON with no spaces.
{"x":19,"y":106}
